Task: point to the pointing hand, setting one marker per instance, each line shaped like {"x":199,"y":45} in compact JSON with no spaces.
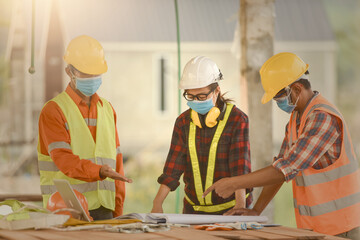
{"x":224,"y":188}
{"x":107,"y":171}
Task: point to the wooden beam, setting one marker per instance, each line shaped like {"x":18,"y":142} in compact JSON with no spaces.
{"x":22,"y":197}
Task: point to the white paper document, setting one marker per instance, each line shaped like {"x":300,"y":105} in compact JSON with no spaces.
{"x":144,"y":217}
{"x":191,"y":218}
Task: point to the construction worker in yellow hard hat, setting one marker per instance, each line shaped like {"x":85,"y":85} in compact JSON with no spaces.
{"x":210,"y":142}
{"x":316,"y":154}
{"x":78,"y":139}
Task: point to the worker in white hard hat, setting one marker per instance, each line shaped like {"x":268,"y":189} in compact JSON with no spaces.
{"x":78,"y":139}
{"x":316,"y":154}
{"x":210,"y":141}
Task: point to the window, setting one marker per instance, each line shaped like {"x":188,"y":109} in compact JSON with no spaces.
{"x":163,"y":84}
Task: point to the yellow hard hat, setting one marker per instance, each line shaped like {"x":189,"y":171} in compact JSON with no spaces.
{"x":280,"y":71}
{"x":87,"y":55}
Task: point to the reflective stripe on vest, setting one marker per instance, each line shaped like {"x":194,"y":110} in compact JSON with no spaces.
{"x":327,"y":200}
{"x":82,"y":187}
{"x":211,"y":162}
{"x":50,"y":166}
{"x":88,"y":121}
{"x":56,"y":145}
{"x":211,"y":208}
{"x":100,"y":193}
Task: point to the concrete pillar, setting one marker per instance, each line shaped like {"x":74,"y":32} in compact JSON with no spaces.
{"x":257,"y":36}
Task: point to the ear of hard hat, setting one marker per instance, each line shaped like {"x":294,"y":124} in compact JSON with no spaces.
{"x":199,"y":72}
{"x":280,"y":71}
{"x":87,"y":55}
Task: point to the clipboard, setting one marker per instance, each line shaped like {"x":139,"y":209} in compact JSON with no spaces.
{"x":70,"y":199}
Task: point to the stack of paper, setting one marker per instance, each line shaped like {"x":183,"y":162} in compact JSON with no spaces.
{"x":191,"y":218}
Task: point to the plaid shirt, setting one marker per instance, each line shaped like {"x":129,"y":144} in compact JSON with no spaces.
{"x":232,"y":157}
{"x":318,"y":146}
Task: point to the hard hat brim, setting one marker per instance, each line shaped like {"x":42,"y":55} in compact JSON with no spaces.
{"x":92,"y":70}
{"x":266,"y":98}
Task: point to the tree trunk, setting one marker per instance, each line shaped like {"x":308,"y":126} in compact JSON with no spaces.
{"x":257,"y":32}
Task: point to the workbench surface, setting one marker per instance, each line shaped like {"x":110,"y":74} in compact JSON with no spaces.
{"x":275,"y":233}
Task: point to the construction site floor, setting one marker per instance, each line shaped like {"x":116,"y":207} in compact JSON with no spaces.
{"x":274,"y":233}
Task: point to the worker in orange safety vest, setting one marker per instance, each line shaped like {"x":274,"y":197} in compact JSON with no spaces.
{"x":316,"y":154}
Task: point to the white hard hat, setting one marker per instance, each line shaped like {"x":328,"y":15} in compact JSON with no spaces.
{"x":199,"y":72}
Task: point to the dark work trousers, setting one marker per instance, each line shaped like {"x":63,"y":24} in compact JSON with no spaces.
{"x":101,"y":213}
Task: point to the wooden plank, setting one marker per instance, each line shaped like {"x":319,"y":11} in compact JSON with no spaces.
{"x":293,"y":232}
{"x":232,"y":235}
{"x":328,"y":237}
{"x":247,"y":234}
{"x":264,"y":235}
{"x":51,"y":234}
{"x":88,"y":235}
{"x":96,"y":235}
{"x":187,"y":233}
{"x":22,"y":197}
{"x":15,"y":235}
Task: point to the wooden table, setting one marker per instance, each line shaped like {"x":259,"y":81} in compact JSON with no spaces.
{"x":271,"y":233}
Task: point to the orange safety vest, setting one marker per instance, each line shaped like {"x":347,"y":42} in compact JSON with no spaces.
{"x":327,"y":200}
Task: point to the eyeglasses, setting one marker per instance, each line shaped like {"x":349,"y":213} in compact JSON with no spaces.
{"x":285,"y":91}
{"x":200,"y":96}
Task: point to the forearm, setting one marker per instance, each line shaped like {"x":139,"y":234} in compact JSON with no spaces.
{"x":267,"y":194}
{"x":161,"y":195}
{"x":262,"y":177}
{"x":72,"y":166}
{"x":240,"y":198}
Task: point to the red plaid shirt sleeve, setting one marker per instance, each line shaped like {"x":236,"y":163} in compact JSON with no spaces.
{"x":318,"y":146}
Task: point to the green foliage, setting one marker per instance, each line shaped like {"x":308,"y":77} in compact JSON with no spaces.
{"x":284,"y":208}
{"x":141,"y":193}
{"x":344,"y":17}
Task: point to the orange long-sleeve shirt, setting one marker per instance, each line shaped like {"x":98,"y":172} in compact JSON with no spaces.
{"x":52,"y":128}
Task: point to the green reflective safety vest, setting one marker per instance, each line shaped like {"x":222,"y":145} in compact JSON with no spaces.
{"x":206,"y":204}
{"x":99,"y":193}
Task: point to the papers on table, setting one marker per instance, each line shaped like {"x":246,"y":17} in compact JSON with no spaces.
{"x":191,"y":218}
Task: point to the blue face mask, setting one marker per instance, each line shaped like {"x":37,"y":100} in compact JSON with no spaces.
{"x":201,"y":107}
{"x":284,"y":104}
{"x":88,"y":86}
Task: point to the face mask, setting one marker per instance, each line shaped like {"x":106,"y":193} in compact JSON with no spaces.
{"x":88,"y":86}
{"x":201,"y":107}
{"x":283,"y":103}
